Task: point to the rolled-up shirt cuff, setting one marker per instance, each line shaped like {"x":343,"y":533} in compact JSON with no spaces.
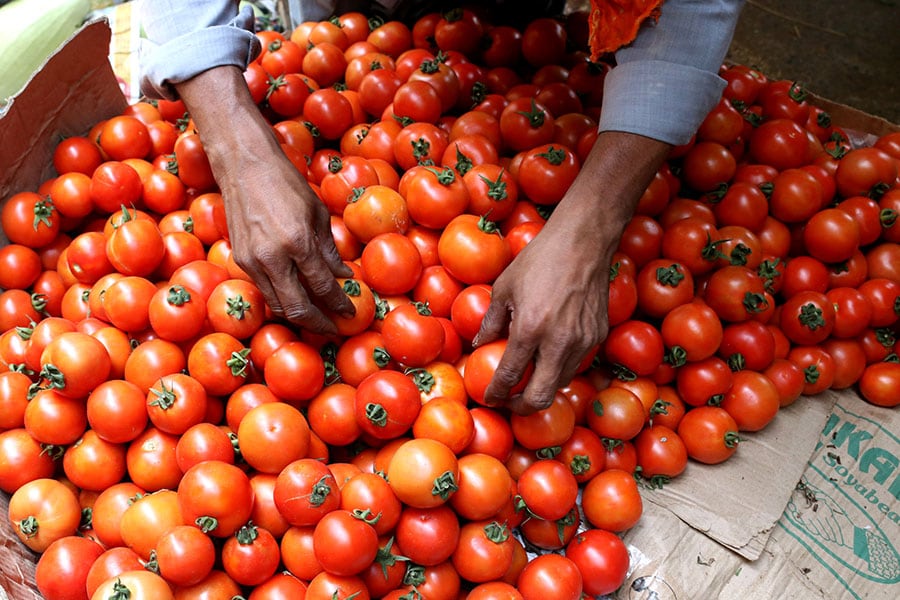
{"x":185,"y":56}
{"x":657,"y":99}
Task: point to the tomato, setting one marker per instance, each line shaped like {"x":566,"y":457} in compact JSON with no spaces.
{"x":344,"y":544}
{"x":434,"y":196}
{"x":94,"y":464}
{"x":883,"y":295}
{"x":788,"y":378}
{"x":30,"y":220}
{"x":43,"y":511}
{"x":662,"y":286}
{"x":707,"y":165}
{"x":693,"y":327}
{"x":111,"y":562}
{"x":418,"y":143}
{"x":378,"y":209}
{"x":551,"y":576}
{"x":75,"y":363}
{"x":387,"y":404}
{"x":636,"y":346}
{"x":831,"y":235}
{"x":412,"y":335}
{"x":878,"y":383}
{"x":305,"y":490}
{"x":76,"y":154}
{"x":807,"y":317}
{"x":472,"y":250}
{"x":881,"y":261}
{"x":203,"y":441}
{"x":251,"y":556}
{"x":236,"y":307}
{"x":215,"y":585}
{"x":525,"y":124}
{"x":217,"y":496}
{"x":548,"y":488}
{"x":273,"y":435}
{"x":865,"y":171}
{"x":736,"y":293}
{"x":484,"y":551}
{"x":427,"y":536}
{"x":492,"y":191}
{"x":781,"y":143}
{"x":611,"y":500}
{"x":391,"y":264}
{"x":185,"y":555}
{"x":329,"y":111}
{"x":661,"y":453}
{"x":709,"y":433}
{"x":602,"y":559}
{"x":280,"y":585}
{"x":616,"y":413}
{"x":796,"y":196}
{"x":125,"y":136}
{"x":753,"y":400}
{"x":295,"y":372}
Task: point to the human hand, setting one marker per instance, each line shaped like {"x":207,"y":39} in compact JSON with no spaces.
{"x":280,"y":234}
{"x":279,"y":230}
{"x":552,"y":299}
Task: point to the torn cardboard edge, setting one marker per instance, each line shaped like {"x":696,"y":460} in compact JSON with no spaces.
{"x":64,"y":98}
{"x":837,"y":538}
{"x":737,"y":503}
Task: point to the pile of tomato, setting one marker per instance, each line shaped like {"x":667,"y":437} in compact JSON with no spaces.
{"x":161,"y":434}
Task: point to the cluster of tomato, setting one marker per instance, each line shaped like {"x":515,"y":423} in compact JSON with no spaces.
{"x":162,"y":435}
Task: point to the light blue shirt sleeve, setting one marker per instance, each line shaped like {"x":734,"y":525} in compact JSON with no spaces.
{"x":184,"y":39}
{"x":666,"y":81}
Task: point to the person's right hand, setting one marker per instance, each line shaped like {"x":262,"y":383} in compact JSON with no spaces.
{"x":280,"y":235}
{"x":280,"y":232}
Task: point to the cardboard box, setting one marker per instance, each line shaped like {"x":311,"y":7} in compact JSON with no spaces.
{"x":74,"y":89}
{"x":807,"y":508}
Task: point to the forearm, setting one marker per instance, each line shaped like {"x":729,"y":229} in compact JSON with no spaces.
{"x":603,"y":197}
{"x":235,"y":135}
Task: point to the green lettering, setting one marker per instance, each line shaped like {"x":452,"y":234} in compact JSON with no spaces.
{"x":883,"y":462}
{"x":894,"y":490}
{"x":853,"y":439}
{"x":882,"y":507}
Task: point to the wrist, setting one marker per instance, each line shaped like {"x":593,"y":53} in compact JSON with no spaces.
{"x":234,"y":132}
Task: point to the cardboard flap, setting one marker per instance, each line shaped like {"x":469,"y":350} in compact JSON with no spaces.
{"x":739,"y":502}
{"x":74,"y":89}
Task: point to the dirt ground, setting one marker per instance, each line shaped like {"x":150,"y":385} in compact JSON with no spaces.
{"x":848,"y":52}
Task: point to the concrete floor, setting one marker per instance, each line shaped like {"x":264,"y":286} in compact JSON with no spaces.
{"x":847,"y":51}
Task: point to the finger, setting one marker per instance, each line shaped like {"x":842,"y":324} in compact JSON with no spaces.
{"x":300,"y":310}
{"x":552,"y":370}
{"x":509,"y":371}
{"x":328,"y":248}
{"x":321,"y":284}
{"x":494,"y":323}
{"x":290,"y":299}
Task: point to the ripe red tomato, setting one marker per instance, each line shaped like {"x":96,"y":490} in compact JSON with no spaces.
{"x":602,"y":559}
{"x":218,"y":494}
{"x":387,"y":404}
{"x":484,"y":551}
{"x":611,"y":500}
{"x":185,"y":555}
{"x":273,"y":435}
{"x":636,"y":346}
{"x":43,"y":511}
{"x":709,"y":433}
{"x":295,"y":372}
